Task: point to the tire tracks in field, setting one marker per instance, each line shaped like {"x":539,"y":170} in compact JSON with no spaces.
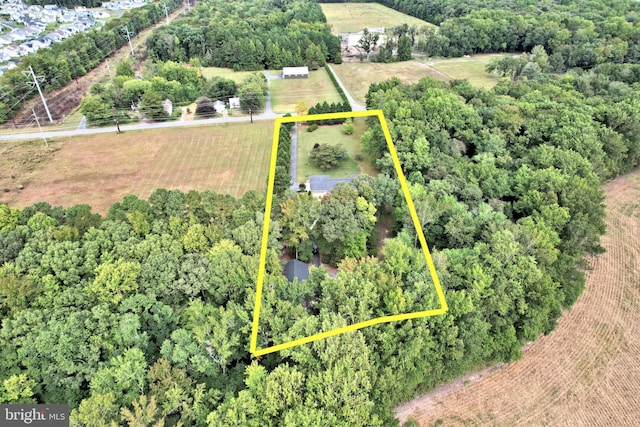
{"x":586,"y":372}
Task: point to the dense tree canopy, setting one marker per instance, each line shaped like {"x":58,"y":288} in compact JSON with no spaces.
{"x":250,"y":35}
{"x":575,"y":33}
{"x":143,"y":316}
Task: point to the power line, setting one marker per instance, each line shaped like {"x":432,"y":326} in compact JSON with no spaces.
{"x":127,"y":35}
{"x":35,"y":81}
{"x":39,"y":127}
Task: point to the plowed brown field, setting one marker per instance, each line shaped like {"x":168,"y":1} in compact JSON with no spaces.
{"x":585,"y":373}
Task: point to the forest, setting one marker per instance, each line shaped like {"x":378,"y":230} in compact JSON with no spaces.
{"x":144,"y":315}
{"x":575,"y":33}
{"x":254,"y":35}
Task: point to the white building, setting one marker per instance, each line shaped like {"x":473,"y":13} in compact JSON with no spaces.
{"x":234,"y":102}
{"x":295,"y":72}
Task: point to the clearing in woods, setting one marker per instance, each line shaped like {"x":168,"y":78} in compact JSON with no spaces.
{"x":333,"y":135}
{"x":357,"y":76}
{"x":227,"y":73}
{"x":587,"y":371}
{"x":101,"y":169}
{"x":354,"y":17}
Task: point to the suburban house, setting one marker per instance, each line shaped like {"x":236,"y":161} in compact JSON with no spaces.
{"x":234,"y":102}
{"x":100,"y":14}
{"x":296,"y":269}
{"x":295,"y":72}
{"x":319,"y":185}
{"x":34,"y":20}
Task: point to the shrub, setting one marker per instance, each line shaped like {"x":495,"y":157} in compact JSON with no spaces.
{"x":327,"y":156}
{"x":347,"y":127}
{"x":312,"y":127}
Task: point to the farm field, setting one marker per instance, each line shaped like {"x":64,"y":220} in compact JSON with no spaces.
{"x":285,"y":94}
{"x":357,"y":76}
{"x":585,"y":372}
{"x":100,"y":169}
{"x":353,"y":17}
{"x":227,"y":73}
{"x":332,"y":134}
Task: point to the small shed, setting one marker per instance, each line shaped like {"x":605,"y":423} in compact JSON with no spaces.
{"x":295,"y":72}
{"x":219,"y":106}
{"x":167,"y":106}
{"x":296,"y":269}
{"x":234,"y":102}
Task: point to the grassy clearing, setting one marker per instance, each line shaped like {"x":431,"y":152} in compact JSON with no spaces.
{"x":101,"y":169}
{"x":358,"y":76}
{"x":332,"y":134}
{"x":227,"y":73}
{"x":353,"y":17}
{"x":285,"y":94}
{"x":471,"y":69}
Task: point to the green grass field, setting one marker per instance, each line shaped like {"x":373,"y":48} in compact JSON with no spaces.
{"x":286,"y":94}
{"x":353,"y":17}
{"x":332,"y":135}
{"x":471,"y":68}
{"x":101,"y":169}
{"x":227,"y":73}
{"x":358,"y":76}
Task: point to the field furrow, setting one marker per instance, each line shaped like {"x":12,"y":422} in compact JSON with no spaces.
{"x":587,"y":372}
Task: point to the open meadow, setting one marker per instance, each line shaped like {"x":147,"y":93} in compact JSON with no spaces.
{"x":354,"y":17}
{"x":470,"y":68}
{"x":100,"y":169}
{"x":586,"y":372}
{"x":227,"y":73}
{"x":287,"y":93}
{"x":333,"y":135}
{"x":357,"y":76}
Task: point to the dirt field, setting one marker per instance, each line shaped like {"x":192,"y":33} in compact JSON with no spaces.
{"x":587,"y":372}
{"x":354,"y":17}
{"x":101,"y":169}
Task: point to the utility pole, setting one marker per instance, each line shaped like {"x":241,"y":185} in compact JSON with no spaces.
{"x":127,"y":35}
{"x":115,"y":119}
{"x":39,"y":127}
{"x":166,"y":11}
{"x":109,"y":70}
{"x":35,"y":82}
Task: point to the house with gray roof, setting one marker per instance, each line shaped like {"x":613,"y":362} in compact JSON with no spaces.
{"x":319,"y":185}
{"x":296,"y":269}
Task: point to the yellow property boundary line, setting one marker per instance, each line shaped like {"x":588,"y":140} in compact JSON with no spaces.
{"x":265,"y":234}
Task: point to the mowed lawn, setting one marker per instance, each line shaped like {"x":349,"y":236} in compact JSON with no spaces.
{"x":227,"y":73}
{"x":287,"y":93}
{"x":358,"y":76}
{"x":100,"y":169}
{"x":353,"y":17}
{"x":333,"y":135}
{"x":471,"y":68}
